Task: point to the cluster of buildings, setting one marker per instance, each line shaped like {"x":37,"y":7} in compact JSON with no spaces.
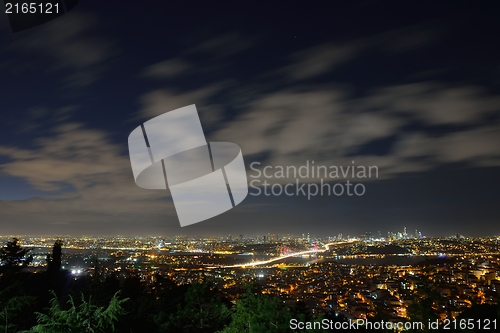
{"x":359,"y":278}
{"x":363,"y":291}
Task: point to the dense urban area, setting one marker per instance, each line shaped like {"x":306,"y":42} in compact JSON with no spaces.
{"x":399,"y":278}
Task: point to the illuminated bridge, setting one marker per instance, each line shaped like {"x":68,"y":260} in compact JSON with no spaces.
{"x":284,"y":253}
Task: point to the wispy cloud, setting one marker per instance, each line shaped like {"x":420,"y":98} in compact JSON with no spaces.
{"x":222,"y":45}
{"x":321,"y":59}
{"x":72,"y":43}
{"x":167,"y":69}
{"x":436,"y":103}
{"x":329,"y":127}
{"x":86,"y":177}
{"x":332,"y":125}
{"x":160,"y":101}
{"x":326,"y":58}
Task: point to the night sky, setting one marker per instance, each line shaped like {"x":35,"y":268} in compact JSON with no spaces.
{"x":412,"y":89}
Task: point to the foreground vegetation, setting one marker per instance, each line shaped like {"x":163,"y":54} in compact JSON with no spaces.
{"x":55,"y":302}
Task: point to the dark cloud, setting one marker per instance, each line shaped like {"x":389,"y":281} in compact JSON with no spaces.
{"x":416,"y":97}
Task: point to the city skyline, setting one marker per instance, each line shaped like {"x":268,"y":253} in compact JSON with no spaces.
{"x":410,"y":281}
{"x":371,"y":235}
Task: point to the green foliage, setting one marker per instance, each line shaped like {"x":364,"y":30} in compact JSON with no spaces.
{"x":421,"y":309}
{"x":13,"y":256}
{"x":11,"y":309}
{"x":482,"y":312}
{"x":141,"y":307}
{"x":201,"y":311}
{"x":84,"y":318}
{"x":54,"y":260}
{"x":162,"y":306}
{"x":258,"y":313}
{"x":30,"y":302}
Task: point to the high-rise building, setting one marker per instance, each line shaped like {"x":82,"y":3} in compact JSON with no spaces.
{"x":161,"y":243}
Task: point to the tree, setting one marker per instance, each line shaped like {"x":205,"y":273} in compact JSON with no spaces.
{"x":12,"y":307}
{"x":85,"y":318}
{"x":13,"y":256}
{"x":421,"y":309}
{"x":479,"y":312}
{"x":201,"y":311}
{"x":54,"y":261}
{"x":261,"y":314}
{"x":54,"y":269}
{"x":142,"y":306}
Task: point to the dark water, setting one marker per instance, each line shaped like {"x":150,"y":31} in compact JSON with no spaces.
{"x":387,"y":260}
{"x":242,"y":259}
